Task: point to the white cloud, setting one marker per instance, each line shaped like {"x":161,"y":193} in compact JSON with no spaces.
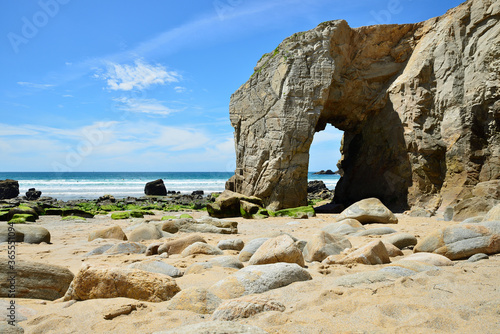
{"x":180,"y":89}
{"x":146,"y":106}
{"x":67,"y":95}
{"x":138,"y":76}
{"x":34,"y":85}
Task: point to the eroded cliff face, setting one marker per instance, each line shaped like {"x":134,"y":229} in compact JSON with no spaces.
{"x":418,"y":104}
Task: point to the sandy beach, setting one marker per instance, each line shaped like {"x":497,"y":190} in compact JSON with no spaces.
{"x":462,"y":298}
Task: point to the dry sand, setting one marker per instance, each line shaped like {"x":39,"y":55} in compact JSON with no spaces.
{"x":464,"y":298}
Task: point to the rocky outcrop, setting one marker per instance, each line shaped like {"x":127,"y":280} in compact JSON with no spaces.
{"x":418,"y":104}
{"x":155,"y":188}
{"x":9,"y":189}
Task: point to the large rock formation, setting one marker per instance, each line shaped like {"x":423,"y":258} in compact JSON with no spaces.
{"x":418,"y":104}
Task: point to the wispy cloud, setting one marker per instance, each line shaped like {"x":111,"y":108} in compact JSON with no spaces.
{"x":180,"y":89}
{"x":34,"y":85}
{"x":145,"y":106}
{"x":138,"y":76}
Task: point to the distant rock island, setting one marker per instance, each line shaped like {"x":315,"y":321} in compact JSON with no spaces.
{"x":326,"y":172}
{"x":419,"y":105}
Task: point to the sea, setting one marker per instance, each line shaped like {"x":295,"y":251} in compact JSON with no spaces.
{"x":92,"y":185}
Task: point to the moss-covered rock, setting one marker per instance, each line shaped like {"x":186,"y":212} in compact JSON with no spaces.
{"x":71,"y":218}
{"x":53,"y":212}
{"x":298,"y":212}
{"x":77,"y":212}
{"x":22,"y":209}
{"x":111,"y":207}
{"x":120,"y":215}
{"x":25,"y":216}
{"x":185,"y":215}
{"x":21,"y":220}
{"x":168,"y":217}
{"x":136,"y":214}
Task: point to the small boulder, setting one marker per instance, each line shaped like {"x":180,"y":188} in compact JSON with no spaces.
{"x":195,"y":299}
{"x":392,"y":250}
{"x":301,"y":212}
{"x":462,"y":240}
{"x":155,"y":188}
{"x":401,"y":240}
{"x":369,"y":210}
{"x":250,"y":248}
{"x":344,"y":227}
{"x":30,"y":234}
{"x":34,"y":280}
{"x":375,"y":231}
{"x":258,"y":279}
{"x":156,"y":266}
{"x":201,"y":248}
{"x":9,"y":189}
{"x":279,"y":249}
{"x":493,"y":214}
{"x":370,"y":254}
{"x":108,"y":282}
{"x":178,"y":245}
{"x":204,"y":225}
{"x":430,"y":258}
{"x":478,"y":257}
{"x":120,"y":215}
{"x":227,"y":204}
{"x":245,"y":307}
{"x":220,"y":261}
{"x":231,"y":244}
{"x":145,"y":232}
{"x":113,"y":232}
{"x":126,"y":248}
{"x":323,"y":244}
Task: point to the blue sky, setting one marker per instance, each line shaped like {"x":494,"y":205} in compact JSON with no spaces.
{"x":145,"y":85}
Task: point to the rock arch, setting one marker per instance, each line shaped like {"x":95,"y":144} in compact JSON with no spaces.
{"x":418,"y":104}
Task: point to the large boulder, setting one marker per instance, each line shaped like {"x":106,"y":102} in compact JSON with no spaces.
{"x":201,"y":248}
{"x":370,"y":254}
{"x":401,"y":239}
{"x":155,"y":188}
{"x":258,"y":279}
{"x":323,"y":244}
{"x":493,"y":214}
{"x":112,"y":282}
{"x":369,"y":210}
{"x":195,"y":299}
{"x":156,"y":266}
{"x":145,"y":232}
{"x":344,"y":227}
{"x":279,"y":249}
{"x":9,"y":189}
{"x":462,"y":240}
{"x":33,"y":280}
{"x":418,"y":105}
{"x":250,"y":248}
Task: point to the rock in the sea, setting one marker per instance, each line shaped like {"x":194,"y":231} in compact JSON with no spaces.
{"x":401,"y":239}
{"x":126,"y":248}
{"x":419,"y":117}
{"x":279,"y":249}
{"x":201,"y":248}
{"x":178,"y":245}
{"x":113,"y":232}
{"x":215,"y":327}
{"x":9,"y":189}
{"x":156,"y":266}
{"x":344,"y":227}
{"x":258,"y":279}
{"x":32,"y":194}
{"x":323,"y":244}
{"x":369,"y":210}
{"x":430,"y":258}
{"x":195,"y":299}
{"x":462,"y":240}
{"x":245,"y":307}
{"x":155,"y":188}
{"x":145,"y":231}
{"x":231,"y":244}
{"x":370,"y":254}
{"x":250,"y":248}
{"x":30,"y":234}
{"x":34,"y":280}
{"x":112,"y":282}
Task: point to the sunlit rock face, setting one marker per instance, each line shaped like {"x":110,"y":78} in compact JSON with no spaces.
{"x":418,"y":104}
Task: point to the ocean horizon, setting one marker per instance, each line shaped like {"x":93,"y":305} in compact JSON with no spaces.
{"x":92,"y":185}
